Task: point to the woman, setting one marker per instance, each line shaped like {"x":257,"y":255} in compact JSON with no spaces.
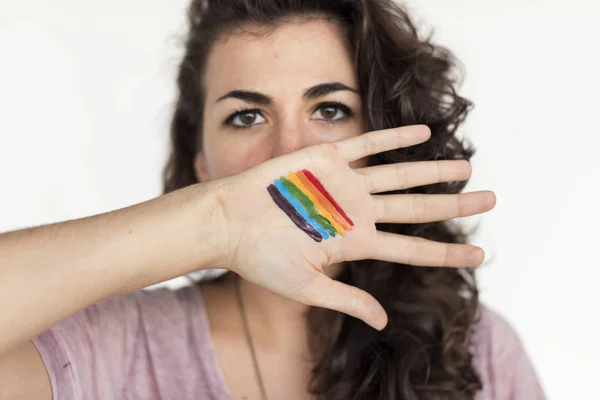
{"x":334,"y":290}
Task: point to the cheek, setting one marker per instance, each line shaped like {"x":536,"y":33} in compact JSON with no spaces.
{"x":230,"y":157}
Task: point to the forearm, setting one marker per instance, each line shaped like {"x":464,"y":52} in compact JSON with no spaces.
{"x":50,"y":272}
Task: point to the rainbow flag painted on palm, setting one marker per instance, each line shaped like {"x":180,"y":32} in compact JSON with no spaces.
{"x":309,"y":205}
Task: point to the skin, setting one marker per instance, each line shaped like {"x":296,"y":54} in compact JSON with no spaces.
{"x":281,"y":66}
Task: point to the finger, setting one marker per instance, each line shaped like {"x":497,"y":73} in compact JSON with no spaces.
{"x":383,"y":178}
{"x":417,"y":251}
{"x":374,"y":142}
{"x":328,"y":293}
{"x":420,"y":208}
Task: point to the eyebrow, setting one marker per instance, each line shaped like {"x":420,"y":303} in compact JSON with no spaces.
{"x":310,"y":94}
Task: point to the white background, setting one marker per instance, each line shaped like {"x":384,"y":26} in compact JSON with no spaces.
{"x":86,"y":92}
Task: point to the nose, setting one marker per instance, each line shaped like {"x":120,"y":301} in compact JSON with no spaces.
{"x":291,"y":137}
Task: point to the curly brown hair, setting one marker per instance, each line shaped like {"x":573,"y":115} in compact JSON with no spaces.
{"x":404,"y":79}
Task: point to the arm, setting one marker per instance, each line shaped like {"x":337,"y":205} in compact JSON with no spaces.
{"x":50,"y":272}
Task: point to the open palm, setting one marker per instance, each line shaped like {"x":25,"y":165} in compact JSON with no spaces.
{"x":287,"y":252}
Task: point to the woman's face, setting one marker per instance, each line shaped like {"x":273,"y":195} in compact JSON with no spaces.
{"x":268,"y":95}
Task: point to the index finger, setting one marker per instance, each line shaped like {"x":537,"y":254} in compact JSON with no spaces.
{"x":374,"y":142}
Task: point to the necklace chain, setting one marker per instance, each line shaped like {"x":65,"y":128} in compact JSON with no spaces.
{"x":240,"y":301}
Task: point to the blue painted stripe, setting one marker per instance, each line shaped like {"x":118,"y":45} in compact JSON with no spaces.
{"x":300,"y":208}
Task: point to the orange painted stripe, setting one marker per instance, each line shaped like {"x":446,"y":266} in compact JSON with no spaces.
{"x":296,"y":181}
{"x":323,"y":201}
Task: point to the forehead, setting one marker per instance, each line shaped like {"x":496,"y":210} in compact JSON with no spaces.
{"x":296,"y":54}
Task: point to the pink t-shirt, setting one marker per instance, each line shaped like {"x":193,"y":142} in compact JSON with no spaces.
{"x":157,"y":345}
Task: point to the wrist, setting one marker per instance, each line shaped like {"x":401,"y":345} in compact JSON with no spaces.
{"x":209,"y":246}
{"x":176,"y":234}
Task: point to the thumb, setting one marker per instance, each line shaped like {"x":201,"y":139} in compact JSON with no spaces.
{"x":329,"y":293}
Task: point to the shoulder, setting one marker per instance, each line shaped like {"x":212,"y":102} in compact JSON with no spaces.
{"x":501,"y":360}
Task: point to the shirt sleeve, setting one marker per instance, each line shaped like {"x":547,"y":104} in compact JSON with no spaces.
{"x":502,"y":362}
{"x":88,"y":355}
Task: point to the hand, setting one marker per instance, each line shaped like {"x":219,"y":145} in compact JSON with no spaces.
{"x":266,"y":246}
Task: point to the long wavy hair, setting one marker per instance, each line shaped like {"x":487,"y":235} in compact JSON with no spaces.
{"x":404,"y":79}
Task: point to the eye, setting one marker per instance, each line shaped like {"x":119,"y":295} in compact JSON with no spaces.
{"x":245,"y":118}
{"x":332,"y":112}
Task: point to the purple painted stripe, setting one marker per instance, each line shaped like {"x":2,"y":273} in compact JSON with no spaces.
{"x":293,"y":214}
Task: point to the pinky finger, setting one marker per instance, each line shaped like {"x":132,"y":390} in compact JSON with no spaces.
{"x":328,"y":293}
